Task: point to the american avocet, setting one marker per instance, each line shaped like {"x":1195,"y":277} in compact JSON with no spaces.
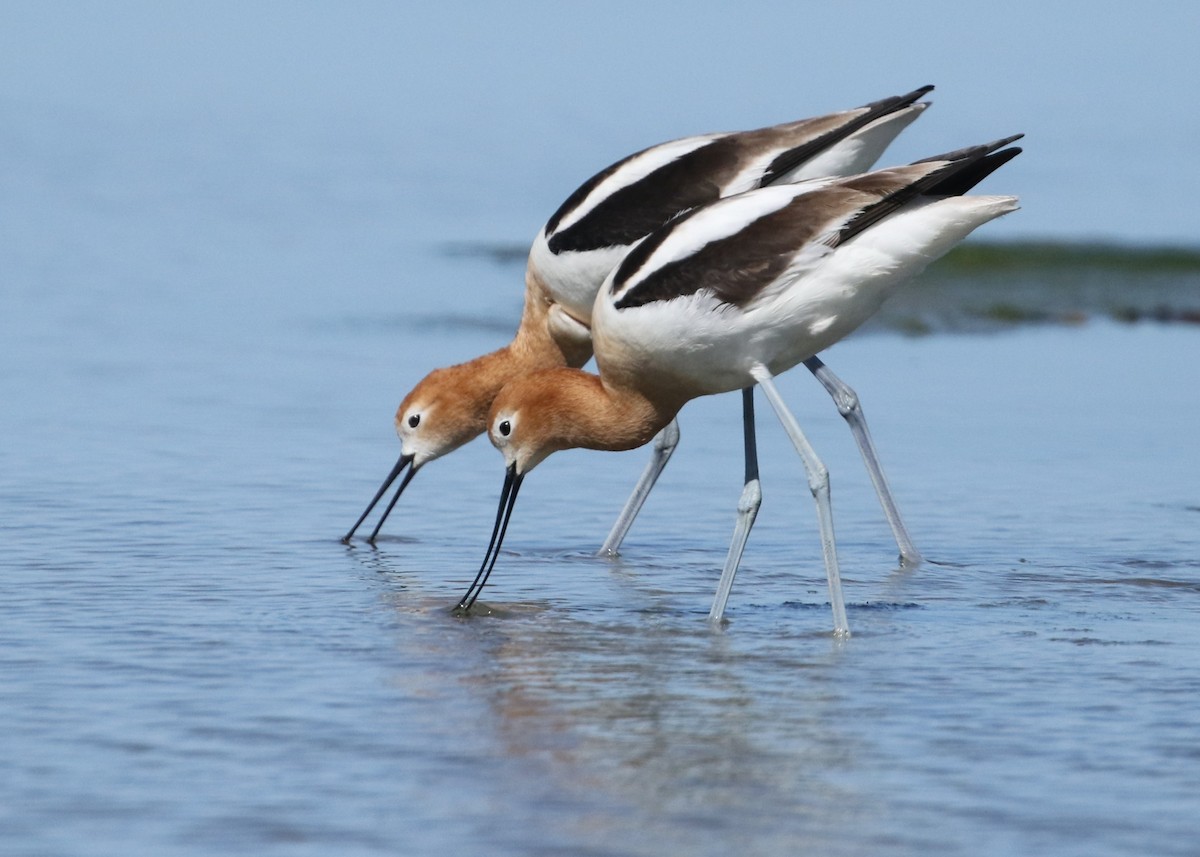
{"x":728,"y":296}
{"x":592,"y":231}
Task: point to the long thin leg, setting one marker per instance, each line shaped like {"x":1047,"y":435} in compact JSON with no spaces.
{"x":664,"y":444}
{"x":818,"y":483}
{"x":849,"y":407}
{"x":747,"y":509}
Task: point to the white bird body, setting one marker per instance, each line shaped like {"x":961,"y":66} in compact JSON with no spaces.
{"x":707,"y":345}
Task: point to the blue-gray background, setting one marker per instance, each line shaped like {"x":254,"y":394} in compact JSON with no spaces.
{"x":485,"y":115}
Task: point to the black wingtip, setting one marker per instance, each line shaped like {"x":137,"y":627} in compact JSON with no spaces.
{"x":1006,"y":141}
{"x":897,"y":102}
{"x":972,"y":151}
{"x":966,"y":179}
{"x":918,"y":93}
{"x":975,"y":165}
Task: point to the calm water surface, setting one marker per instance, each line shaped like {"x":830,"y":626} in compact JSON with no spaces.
{"x":196,"y":402}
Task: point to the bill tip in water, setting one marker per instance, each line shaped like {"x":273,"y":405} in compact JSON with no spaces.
{"x":478,"y":608}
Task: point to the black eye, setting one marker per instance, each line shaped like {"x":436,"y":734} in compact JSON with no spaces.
{"x":505,"y":428}
{"x":414,"y":421}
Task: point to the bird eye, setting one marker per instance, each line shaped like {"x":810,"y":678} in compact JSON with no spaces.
{"x":505,"y":428}
{"x":414,"y":421}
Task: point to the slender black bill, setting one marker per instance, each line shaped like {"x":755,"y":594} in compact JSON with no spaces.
{"x":401,"y":463}
{"x":392,"y":505}
{"x":508,"y":498}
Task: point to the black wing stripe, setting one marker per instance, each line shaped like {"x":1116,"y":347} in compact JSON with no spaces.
{"x":691,"y":180}
{"x":739,"y":266}
{"x":581,"y":193}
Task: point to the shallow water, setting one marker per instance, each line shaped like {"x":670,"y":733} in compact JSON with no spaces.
{"x":193,"y":663}
{"x":197,"y":388}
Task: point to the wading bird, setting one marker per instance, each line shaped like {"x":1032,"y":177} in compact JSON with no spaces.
{"x":729,"y":295}
{"x":586,"y":238}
